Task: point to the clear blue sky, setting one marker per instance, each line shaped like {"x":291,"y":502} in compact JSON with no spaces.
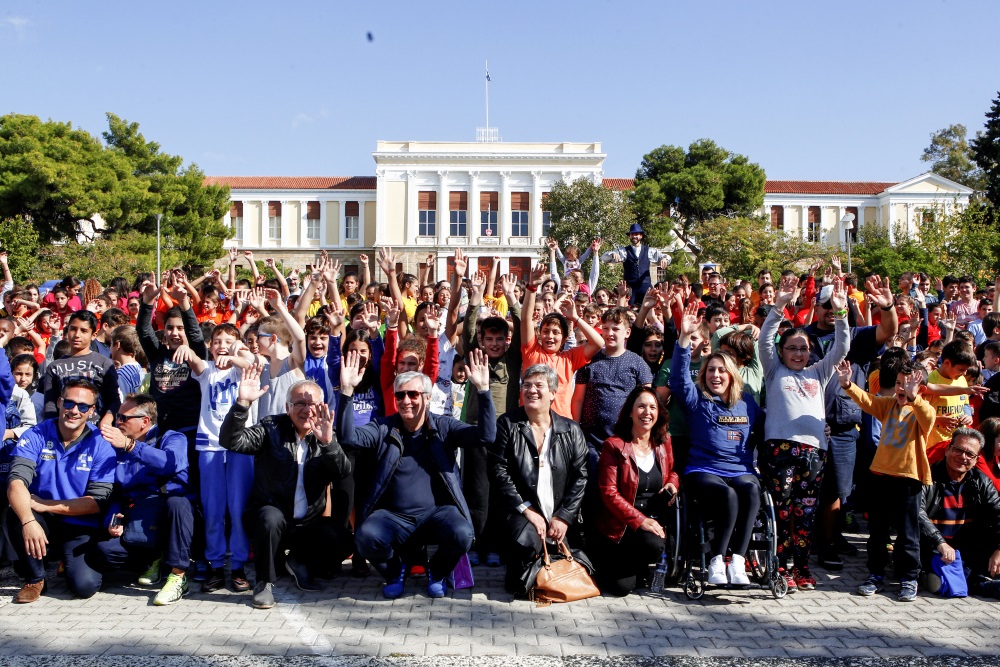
{"x":846,"y":90}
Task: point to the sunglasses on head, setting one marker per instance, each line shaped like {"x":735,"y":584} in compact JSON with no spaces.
{"x":82,"y":407}
{"x":412,"y":395}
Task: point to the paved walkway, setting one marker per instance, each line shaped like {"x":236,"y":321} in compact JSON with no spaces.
{"x":350,"y":618}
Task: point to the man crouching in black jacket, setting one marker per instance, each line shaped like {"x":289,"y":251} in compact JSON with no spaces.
{"x":960,"y":510}
{"x":296,"y":456}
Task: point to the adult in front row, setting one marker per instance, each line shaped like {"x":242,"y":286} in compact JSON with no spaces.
{"x":297,"y":456}
{"x":960,"y":511}
{"x":538,"y":468}
{"x":62,"y":471}
{"x":415,"y":497}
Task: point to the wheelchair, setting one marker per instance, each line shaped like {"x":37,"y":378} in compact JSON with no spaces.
{"x":761,"y":556}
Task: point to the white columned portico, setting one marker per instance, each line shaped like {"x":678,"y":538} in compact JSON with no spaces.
{"x":342,"y":222}
{"x":504,"y":215}
{"x":862,"y":209}
{"x":285,"y":232}
{"x":804,"y":222}
{"x":382,"y":219}
{"x":841,"y":229}
{"x":303,"y":223}
{"x":909,"y":218}
{"x":535,"y":222}
{"x":472,"y":215}
{"x":442,"y":211}
{"x":323,"y":241}
{"x":262,"y":233}
{"x":361,"y":222}
{"x":411,"y":226}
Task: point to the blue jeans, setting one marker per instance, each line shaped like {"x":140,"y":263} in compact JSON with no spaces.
{"x":72,"y":543}
{"x":838,"y":473}
{"x":390,"y":536}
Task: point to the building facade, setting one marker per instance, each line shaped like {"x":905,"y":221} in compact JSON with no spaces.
{"x":428,"y":198}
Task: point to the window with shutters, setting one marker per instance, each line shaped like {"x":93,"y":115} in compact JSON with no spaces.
{"x":489,"y":205}
{"x":778,"y":218}
{"x":458,"y":210}
{"x":814,"y":232}
{"x":274,"y":220}
{"x":520,"y":267}
{"x":546,"y":216}
{"x":236,"y":217}
{"x":312,"y":221}
{"x":519,"y":204}
{"x":427,"y":213}
{"x":352,"y":226}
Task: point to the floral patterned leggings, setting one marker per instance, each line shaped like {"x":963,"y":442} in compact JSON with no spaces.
{"x":793,"y":473}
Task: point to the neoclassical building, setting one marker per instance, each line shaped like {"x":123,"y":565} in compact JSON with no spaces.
{"x":427,"y":198}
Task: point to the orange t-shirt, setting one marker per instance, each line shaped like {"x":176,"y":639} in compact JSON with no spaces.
{"x":564,"y":364}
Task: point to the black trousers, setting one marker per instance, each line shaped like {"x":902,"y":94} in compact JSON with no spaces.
{"x":315,"y":543}
{"x":476,"y":489}
{"x":897,"y":504}
{"x":731,"y":502}
{"x":72,"y":543}
{"x":624,"y":565}
{"x":175,"y":543}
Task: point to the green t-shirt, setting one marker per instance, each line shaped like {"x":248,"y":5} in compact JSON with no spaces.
{"x":678,"y":424}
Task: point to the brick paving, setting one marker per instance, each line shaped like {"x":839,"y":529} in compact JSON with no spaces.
{"x":350,"y":618}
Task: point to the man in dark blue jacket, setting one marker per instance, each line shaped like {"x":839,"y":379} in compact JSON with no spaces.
{"x":152,"y":490}
{"x":415,"y":497}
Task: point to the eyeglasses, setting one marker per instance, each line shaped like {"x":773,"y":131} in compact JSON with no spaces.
{"x":124,"y":418}
{"x":793,"y":350}
{"x":300,"y":405}
{"x":965,"y":453}
{"x":412,"y":395}
{"x":82,"y":407}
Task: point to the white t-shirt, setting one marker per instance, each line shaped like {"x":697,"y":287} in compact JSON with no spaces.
{"x":301,"y":502}
{"x":544,"y":489}
{"x":218,"y":395}
{"x":646,"y":462}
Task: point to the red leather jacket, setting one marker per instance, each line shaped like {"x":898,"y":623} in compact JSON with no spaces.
{"x":618,"y":482}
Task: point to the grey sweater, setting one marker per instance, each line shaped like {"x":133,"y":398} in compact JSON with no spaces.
{"x":796,"y":409}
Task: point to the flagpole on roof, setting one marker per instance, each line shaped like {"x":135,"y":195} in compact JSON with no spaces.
{"x":487,"y":95}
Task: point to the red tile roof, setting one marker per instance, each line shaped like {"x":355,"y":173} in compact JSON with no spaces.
{"x":294,"y":182}
{"x":790,"y":187}
{"x":826,"y":187}
{"x":618,"y":183}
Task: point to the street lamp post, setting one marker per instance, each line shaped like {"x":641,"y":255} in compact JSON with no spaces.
{"x":847,"y":222}
{"x":159,"y":216}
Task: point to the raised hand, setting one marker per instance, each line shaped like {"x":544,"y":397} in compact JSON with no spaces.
{"x":335,"y":315}
{"x":786,"y":290}
{"x":250,"y":389}
{"x":621,"y":289}
{"x":911,"y":385}
{"x":690,"y":320}
{"x":269,"y":263}
{"x":392,"y":309}
{"x":650,"y":299}
{"x":433,"y":319}
{"x":150,"y":292}
{"x":552,"y":243}
{"x":385,"y":260}
{"x":568,"y":308}
{"x":479,"y":369}
{"x":837,"y":266}
{"x":371,"y":313}
{"x":538,"y":274}
{"x":595,"y":247}
{"x":838,"y":300}
{"x":507,"y":283}
{"x":461,"y":264}
{"x":479,"y":282}
{"x":844,"y":373}
{"x":363,"y":259}
{"x":323,"y":424}
{"x":234,"y":255}
{"x":878,"y":291}
{"x":350,"y":372}
{"x":332,"y":271}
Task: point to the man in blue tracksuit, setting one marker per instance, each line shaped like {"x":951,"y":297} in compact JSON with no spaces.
{"x":151,"y":487}
{"x":61,"y":473}
{"x":637,"y":258}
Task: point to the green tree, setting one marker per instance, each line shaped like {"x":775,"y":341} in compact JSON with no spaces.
{"x":950,"y":156}
{"x":986,"y":154}
{"x":19,"y":240}
{"x":703,"y":183}
{"x":124,"y":254}
{"x":72,"y":188}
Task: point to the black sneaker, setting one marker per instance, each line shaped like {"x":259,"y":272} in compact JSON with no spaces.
{"x":829,"y":559}
{"x":215,"y":580}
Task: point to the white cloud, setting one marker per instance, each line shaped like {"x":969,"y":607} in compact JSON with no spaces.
{"x":303,"y":118}
{"x":18,"y":24}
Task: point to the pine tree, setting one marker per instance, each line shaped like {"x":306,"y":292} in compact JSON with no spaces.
{"x":986,"y":153}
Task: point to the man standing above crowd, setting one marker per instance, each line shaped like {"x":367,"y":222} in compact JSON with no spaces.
{"x":637,"y":258}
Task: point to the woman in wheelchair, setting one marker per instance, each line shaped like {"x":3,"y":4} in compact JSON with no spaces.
{"x":719,"y":475}
{"x":637,"y":482}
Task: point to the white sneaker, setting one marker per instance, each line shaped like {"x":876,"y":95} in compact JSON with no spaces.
{"x":717,"y":571}
{"x":737,"y":571}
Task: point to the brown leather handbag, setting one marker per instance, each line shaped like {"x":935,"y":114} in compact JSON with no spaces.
{"x":562,"y":580}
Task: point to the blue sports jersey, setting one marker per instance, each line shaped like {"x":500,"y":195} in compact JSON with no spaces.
{"x":64,"y":474}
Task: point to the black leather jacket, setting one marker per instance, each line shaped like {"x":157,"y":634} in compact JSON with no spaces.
{"x":979,"y":497}
{"x":514,"y":464}
{"x":275,"y":472}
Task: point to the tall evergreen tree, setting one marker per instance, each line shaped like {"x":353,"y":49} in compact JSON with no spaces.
{"x":986,"y":153}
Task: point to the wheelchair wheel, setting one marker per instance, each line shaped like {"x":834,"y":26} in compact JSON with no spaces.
{"x":694,"y":588}
{"x":779,"y":586}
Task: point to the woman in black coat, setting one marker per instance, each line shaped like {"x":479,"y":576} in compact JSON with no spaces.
{"x":538,"y":467}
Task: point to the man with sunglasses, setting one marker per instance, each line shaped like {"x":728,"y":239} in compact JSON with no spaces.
{"x":297,"y":457}
{"x":960,"y":511}
{"x":151,"y":520}
{"x":61,"y":475}
{"x":415,"y":496}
